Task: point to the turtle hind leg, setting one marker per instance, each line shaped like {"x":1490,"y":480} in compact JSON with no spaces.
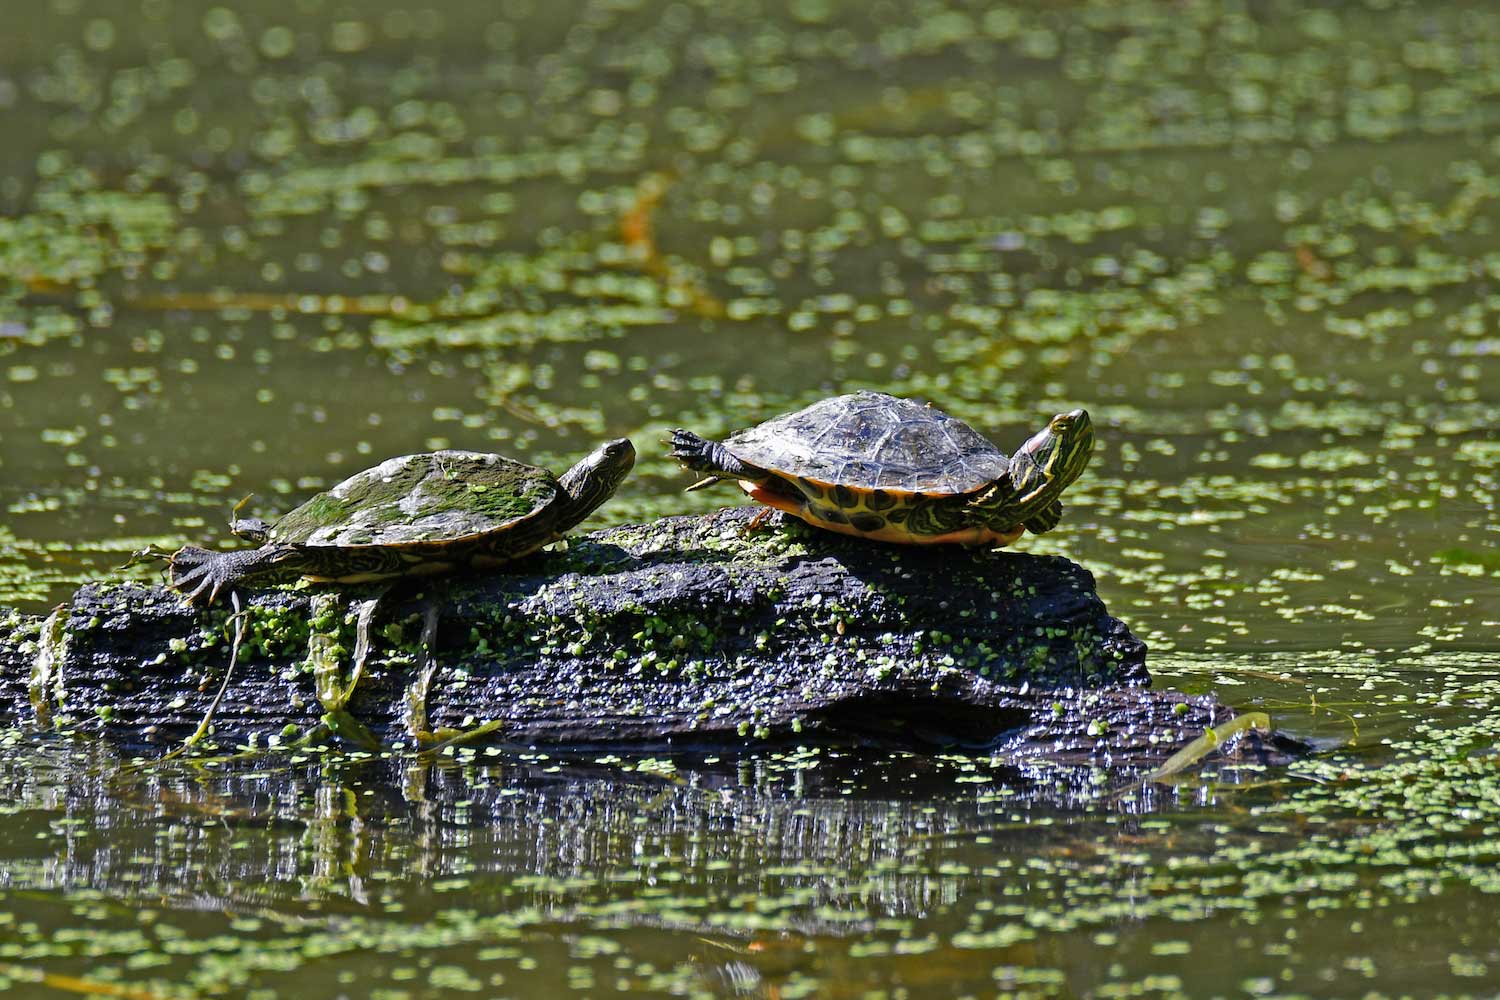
{"x":192,"y":571}
{"x":700,"y":455}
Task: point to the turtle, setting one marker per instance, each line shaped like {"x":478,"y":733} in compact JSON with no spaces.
{"x":435,"y":512}
{"x":896,"y":470}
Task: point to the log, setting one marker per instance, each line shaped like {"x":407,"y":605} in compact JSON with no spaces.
{"x":689,"y":632}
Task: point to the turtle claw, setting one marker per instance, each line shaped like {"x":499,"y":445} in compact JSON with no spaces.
{"x":189,"y":570}
{"x":700,"y":455}
{"x":690,"y":449}
{"x":194,"y":570}
{"x":756,"y":521}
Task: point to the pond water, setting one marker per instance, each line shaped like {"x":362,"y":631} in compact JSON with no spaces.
{"x":254,"y":248}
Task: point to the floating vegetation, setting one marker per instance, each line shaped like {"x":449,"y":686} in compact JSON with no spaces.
{"x":1258,"y":245}
{"x":824,"y":851}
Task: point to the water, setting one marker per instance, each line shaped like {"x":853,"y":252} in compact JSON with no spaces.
{"x":254,"y":251}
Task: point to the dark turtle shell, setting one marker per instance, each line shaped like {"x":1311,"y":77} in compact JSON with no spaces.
{"x":870,"y":441}
{"x":440,"y":497}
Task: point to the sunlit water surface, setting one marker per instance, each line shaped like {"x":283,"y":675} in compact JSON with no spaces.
{"x":255,"y":250}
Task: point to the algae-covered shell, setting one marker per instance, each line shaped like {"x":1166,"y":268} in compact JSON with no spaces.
{"x":417,"y":515}
{"x":442,"y":496}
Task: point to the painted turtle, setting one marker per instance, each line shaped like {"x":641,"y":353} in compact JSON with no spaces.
{"x":895,"y":470}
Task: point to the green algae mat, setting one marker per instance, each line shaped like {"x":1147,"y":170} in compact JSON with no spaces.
{"x":257,"y":247}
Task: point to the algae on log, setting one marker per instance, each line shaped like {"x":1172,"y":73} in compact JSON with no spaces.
{"x":685,"y":632}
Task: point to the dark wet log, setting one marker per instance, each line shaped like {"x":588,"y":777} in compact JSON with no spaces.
{"x":17,"y":653}
{"x":683,"y":633}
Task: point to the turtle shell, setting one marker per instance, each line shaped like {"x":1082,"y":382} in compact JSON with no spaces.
{"x":870,"y":441}
{"x":438,"y":497}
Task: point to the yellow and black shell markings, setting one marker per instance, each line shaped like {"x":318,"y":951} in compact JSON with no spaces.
{"x":883,"y":515}
{"x":866,"y":511}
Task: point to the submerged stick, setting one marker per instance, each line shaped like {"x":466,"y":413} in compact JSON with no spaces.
{"x":52,"y":649}
{"x":234,"y":655}
{"x":1213,"y":737}
{"x":416,"y":693}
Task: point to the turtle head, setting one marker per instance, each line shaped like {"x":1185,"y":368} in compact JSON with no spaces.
{"x":1047,"y":464}
{"x":595,"y":479}
{"x":252,"y":529}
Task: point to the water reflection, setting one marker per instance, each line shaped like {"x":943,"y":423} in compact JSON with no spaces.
{"x":823,"y":870}
{"x":350,"y":828}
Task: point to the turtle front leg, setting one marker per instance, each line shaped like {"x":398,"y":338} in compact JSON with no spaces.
{"x":773,"y":500}
{"x":1045,"y":519}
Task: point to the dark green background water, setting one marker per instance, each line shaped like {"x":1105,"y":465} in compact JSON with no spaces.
{"x":257,"y":249}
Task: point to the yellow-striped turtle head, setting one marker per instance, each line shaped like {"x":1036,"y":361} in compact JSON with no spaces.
{"x":1047,"y":464}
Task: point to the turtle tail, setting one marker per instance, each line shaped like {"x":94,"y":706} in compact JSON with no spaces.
{"x":199,"y":574}
{"x":700,"y":455}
